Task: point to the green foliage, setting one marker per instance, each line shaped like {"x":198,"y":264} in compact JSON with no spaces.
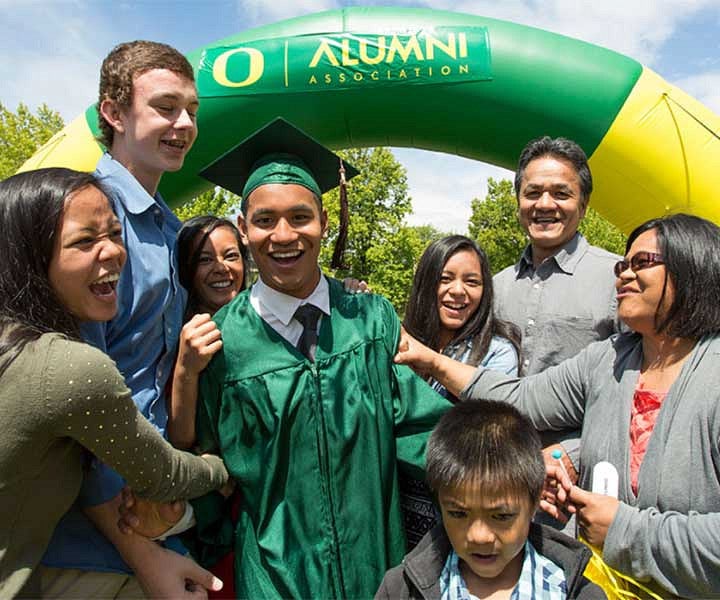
{"x":380,"y":249}
{"x":216,"y":201}
{"x":22,"y":133}
{"x":603,"y":233}
{"x":392,"y":263}
{"x":494,"y":224}
{"x":427,"y":234}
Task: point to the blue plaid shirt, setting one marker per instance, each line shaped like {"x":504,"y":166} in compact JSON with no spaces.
{"x":540,"y":579}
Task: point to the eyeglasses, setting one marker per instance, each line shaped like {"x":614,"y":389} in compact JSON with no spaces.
{"x":639,"y":261}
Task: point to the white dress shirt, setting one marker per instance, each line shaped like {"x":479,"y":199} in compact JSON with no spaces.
{"x":277,"y":309}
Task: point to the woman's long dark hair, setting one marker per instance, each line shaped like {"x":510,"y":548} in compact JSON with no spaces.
{"x":422,"y":320}
{"x":31,"y":206}
{"x":690,"y":247}
{"x":191,"y":239}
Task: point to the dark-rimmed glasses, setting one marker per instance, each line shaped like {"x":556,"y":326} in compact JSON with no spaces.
{"x":639,"y":261}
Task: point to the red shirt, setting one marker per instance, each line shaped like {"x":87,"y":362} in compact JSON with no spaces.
{"x":645,"y":409}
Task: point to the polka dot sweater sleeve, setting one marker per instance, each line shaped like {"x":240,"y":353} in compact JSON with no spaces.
{"x":86,"y":399}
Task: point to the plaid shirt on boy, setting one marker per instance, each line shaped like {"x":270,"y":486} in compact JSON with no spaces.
{"x":540,"y":579}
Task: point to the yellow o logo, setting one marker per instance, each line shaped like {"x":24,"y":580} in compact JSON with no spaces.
{"x":257,"y":65}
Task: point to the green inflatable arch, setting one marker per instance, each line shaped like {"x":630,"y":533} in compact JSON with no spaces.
{"x":448,"y":82}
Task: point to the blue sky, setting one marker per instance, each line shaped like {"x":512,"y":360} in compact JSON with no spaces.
{"x":52,"y":50}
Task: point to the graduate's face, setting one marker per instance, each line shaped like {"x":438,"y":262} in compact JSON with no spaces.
{"x":487,"y":531}
{"x":283,"y":228}
{"x":87,"y":257}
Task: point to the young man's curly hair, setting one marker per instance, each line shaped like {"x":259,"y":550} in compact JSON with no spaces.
{"x":125,"y":62}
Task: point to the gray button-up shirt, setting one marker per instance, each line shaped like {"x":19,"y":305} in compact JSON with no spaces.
{"x":560,"y":307}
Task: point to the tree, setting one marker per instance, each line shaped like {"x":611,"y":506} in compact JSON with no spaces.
{"x":427,"y":234}
{"x":22,"y":133}
{"x":494,"y":224}
{"x":392,"y":263}
{"x":216,"y":201}
{"x":601,"y":232}
{"x":380,"y":248}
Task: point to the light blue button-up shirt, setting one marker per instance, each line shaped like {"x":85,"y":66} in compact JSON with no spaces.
{"x":142,"y":339}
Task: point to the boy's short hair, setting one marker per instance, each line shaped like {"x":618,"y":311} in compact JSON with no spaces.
{"x":489,"y":443}
{"x":125,"y":62}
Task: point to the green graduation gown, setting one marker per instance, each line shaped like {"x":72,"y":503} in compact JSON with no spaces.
{"x":314,"y":449}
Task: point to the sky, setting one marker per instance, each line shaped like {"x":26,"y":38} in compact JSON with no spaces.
{"x":51,"y":52}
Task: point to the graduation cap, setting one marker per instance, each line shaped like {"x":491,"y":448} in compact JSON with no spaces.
{"x":279,"y":152}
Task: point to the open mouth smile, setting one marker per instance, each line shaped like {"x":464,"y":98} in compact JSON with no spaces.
{"x":454,"y":309}
{"x":104,"y":286}
{"x":545,"y":220}
{"x":220,"y":285}
{"x":175,"y":144}
{"x":286,"y":257}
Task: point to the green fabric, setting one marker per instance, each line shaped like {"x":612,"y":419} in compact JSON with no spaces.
{"x":280,"y":168}
{"x":314,"y":448}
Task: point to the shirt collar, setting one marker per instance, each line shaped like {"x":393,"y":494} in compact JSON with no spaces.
{"x":540,"y":578}
{"x":567,"y":258}
{"x":283,"y":306}
{"x":136,"y":199}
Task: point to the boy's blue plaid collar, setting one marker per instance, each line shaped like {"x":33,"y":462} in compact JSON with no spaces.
{"x":540,"y":579}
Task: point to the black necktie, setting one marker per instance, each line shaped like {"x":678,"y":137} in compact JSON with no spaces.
{"x":308,"y":316}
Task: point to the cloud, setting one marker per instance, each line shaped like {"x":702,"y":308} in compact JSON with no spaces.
{"x":66,"y":84}
{"x":705,"y":87}
{"x":442,"y":187}
{"x":49,"y":56}
{"x":261,"y":12}
{"x":638,"y":28}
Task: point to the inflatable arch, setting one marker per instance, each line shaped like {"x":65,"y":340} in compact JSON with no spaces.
{"x":456,"y":83}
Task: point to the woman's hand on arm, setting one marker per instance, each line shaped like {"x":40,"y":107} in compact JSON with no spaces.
{"x":147,"y":518}
{"x":161,"y":573}
{"x":453,"y":375}
{"x":355,"y":286}
{"x":200,"y":339}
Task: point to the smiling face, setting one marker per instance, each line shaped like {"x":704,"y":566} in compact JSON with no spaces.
{"x":88,"y":256}
{"x":157,"y":130}
{"x":283,"y":228}
{"x":459,"y":292}
{"x":549,"y":205}
{"x":220,"y":270}
{"x":640,"y":293}
{"x":488,"y":533}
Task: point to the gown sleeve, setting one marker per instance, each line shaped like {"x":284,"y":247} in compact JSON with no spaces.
{"x":416,"y":406}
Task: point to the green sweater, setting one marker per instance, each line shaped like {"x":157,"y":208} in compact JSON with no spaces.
{"x":314,"y":448}
{"x":56,"y":397}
